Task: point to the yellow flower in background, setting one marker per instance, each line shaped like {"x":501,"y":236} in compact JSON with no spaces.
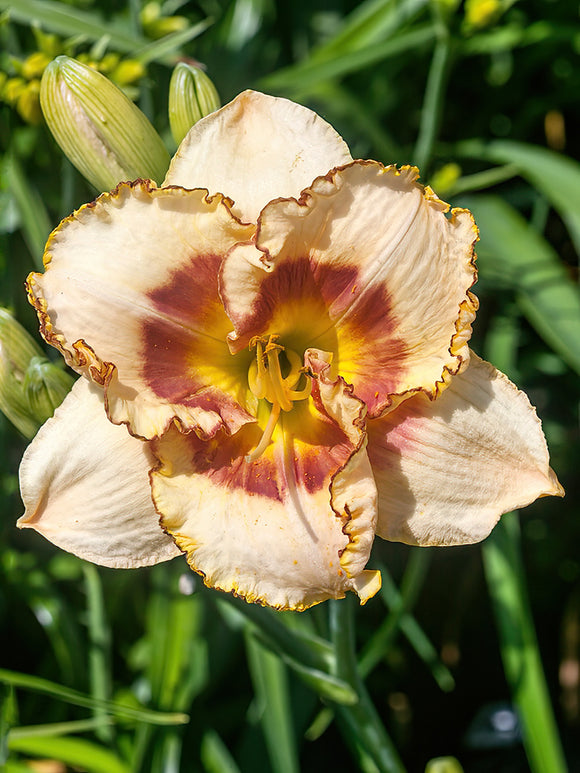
{"x":274,"y":362}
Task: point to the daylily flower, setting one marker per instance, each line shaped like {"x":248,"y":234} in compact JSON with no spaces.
{"x":274,"y":362}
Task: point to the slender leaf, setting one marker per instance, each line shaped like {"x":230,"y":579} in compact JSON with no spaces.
{"x":37,"y":684}
{"x":59,"y":728}
{"x":519,"y":647}
{"x":270,"y":680}
{"x":328,"y":686}
{"x":63,"y":19}
{"x":506,"y":580}
{"x":79,"y":752}
{"x":305,"y":76}
{"x":433,"y":100}
{"x":164,"y":49}
{"x":414,"y":634}
{"x":511,"y":252}
{"x":215,"y":756}
{"x":362,"y":726}
{"x":66,"y":20}
{"x":371,"y":22}
{"x":99,"y":647}
{"x":301,"y":646}
{"x":34,"y":217}
{"x":555,"y":175}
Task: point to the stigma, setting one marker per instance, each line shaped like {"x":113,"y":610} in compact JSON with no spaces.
{"x":267,"y":382}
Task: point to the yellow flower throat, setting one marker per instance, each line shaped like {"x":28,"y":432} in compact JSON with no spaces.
{"x":266,"y":381}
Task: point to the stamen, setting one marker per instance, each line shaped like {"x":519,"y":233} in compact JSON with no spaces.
{"x":267,"y":383}
{"x":267,"y":436}
{"x":276,"y":381}
{"x":301,"y":394}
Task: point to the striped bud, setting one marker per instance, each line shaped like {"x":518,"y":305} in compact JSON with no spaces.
{"x":99,"y":129}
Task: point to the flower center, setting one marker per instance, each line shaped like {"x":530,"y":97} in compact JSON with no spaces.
{"x":266,"y":381}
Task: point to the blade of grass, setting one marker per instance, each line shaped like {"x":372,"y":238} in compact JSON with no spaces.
{"x":270,"y":680}
{"x":59,"y":728}
{"x":8,"y":718}
{"x":177,"y":667}
{"x":301,"y":646}
{"x":66,"y":20}
{"x":36,"y":223}
{"x":215,"y":756}
{"x":99,"y":648}
{"x":307,"y":655}
{"x":519,"y":647}
{"x":370,"y":22}
{"x":77,"y":752}
{"x":361,"y":722}
{"x":414,"y":634}
{"x":165,"y":49}
{"x":37,"y":684}
{"x":302,"y":78}
{"x":506,"y":581}
{"x":434,"y":96}
{"x":555,"y":175}
{"x":512,"y":253}
{"x":413,"y":578}
{"x":482,"y":180}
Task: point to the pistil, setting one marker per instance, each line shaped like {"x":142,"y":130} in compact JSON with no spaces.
{"x":266,"y":381}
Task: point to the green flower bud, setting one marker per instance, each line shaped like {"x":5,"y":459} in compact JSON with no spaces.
{"x":13,"y":89}
{"x":156,"y":26}
{"x":128,"y":71}
{"x":31,"y":386}
{"x":99,"y":129}
{"x":28,"y":103}
{"x":482,"y":13}
{"x":192,"y":96}
{"x":34,"y":65}
{"x":445,"y":178}
{"x":46,"y":385}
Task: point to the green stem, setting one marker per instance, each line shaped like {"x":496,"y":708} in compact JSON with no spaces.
{"x":411,"y":585}
{"x":361,"y":721}
{"x":272,"y":693}
{"x":99,"y":647}
{"x":519,"y":647}
{"x":433,"y":99}
{"x":485,"y":179}
{"x":506,"y":580}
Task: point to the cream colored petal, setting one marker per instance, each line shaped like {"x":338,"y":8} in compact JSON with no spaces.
{"x":446,"y":470}
{"x":130,"y":297}
{"x":290,"y":529}
{"x":85,"y":486}
{"x":256,"y":149}
{"x":368,"y":265}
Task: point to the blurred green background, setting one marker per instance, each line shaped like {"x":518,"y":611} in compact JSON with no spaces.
{"x":482,"y":95}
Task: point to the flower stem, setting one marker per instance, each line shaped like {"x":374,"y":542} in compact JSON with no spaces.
{"x":519,"y":647}
{"x":361,"y":722}
{"x":378,"y":644}
{"x":99,"y":649}
{"x":506,"y":580}
{"x":433,"y":99}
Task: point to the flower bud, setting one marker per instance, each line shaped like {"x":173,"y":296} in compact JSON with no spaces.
{"x":99,"y":129}
{"x":155,"y":25}
{"x":28,"y":103}
{"x":46,"y":385}
{"x":192,"y":96}
{"x":34,"y":65}
{"x":445,"y":178}
{"x":482,"y":13}
{"x":31,"y":386}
